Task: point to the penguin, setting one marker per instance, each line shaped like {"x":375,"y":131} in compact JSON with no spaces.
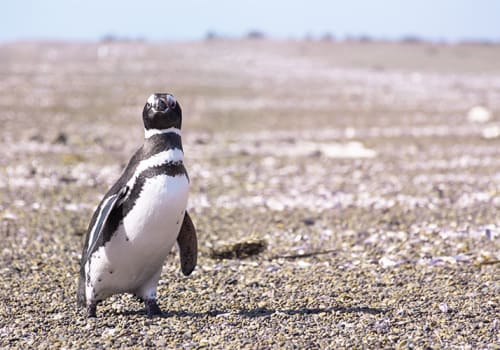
{"x":141,"y":217}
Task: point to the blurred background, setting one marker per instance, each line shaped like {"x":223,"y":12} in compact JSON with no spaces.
{"x":357,"y":143}
{"x":446,"y":20}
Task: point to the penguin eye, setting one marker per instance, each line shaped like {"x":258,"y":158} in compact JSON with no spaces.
{"x":171,"y":101}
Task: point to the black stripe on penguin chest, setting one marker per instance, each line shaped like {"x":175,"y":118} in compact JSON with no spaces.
{"x":117,"y":215}
{"x":159,"y":143}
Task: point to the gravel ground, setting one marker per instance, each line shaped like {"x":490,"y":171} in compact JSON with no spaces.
{"x":345,"y":194}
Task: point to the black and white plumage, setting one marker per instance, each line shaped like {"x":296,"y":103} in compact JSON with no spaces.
{"x":141,"y":217}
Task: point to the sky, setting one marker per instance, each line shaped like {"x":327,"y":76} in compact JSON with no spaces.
{"x":450,"y":20}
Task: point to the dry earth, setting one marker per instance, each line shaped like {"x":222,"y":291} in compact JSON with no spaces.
{"x":378,"y":197}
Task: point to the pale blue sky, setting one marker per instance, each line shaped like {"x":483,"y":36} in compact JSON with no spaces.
{"x":191,"y":19}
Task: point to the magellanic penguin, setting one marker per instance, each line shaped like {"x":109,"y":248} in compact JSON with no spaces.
{"x":141,"y":217}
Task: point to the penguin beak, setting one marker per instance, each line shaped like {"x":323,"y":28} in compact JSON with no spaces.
{"x":163,"y":104}
{"x":160,"y":105}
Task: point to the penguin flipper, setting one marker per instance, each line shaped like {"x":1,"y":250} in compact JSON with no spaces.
{"x":188,"y":245}
{"x":105,"y":209}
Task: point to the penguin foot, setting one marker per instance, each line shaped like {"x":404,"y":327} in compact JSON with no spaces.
{"x":152,"y":308}
{"x":92,"y":309}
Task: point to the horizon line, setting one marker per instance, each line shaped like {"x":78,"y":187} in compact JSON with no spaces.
{"x":256,"y":35}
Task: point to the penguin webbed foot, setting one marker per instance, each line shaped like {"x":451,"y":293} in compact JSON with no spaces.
{"x":152,"y":308}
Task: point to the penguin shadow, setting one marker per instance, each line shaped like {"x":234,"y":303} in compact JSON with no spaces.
{"x":261,"y":312}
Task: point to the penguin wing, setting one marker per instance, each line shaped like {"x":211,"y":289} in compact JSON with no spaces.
{"x":188,"y":245}
{"x":105,"y":209}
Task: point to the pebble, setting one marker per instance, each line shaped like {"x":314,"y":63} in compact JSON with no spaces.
{"x":443,"y":307}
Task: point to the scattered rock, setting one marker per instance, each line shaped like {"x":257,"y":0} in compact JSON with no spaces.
{"x":309,"y":221}
{"x":37,"y":138}
{"x":444,"y":308}
{"x":67,"y":179}
{"x":61,"y":138}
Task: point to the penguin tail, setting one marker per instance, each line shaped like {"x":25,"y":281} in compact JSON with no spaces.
{"x":80,"y":293}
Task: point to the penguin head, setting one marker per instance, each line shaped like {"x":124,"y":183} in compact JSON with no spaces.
{"x":162,"y":111}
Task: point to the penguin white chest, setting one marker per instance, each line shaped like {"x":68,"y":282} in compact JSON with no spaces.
{"x":157,"y":215}
{"x":137,"y":250}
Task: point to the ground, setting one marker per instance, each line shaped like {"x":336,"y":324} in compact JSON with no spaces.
{"x":372,"y":192}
